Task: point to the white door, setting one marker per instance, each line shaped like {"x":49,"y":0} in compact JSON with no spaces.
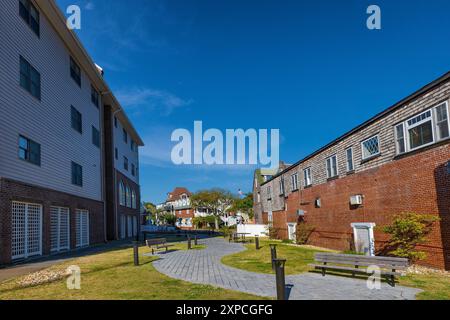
{"x":26,"y":233}
{"x":82,"y":227}
{"x":59,"y":229}
{"x":129,"y":227}
{"x":122,"y":226}
{"x":291,"y":231}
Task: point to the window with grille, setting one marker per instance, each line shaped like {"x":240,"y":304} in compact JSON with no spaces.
{"x":29,"y":151}
{"x":349,"y":157}
{"x":128,"y":196}
{"x":129,"y":227}
{"x":422,"y":130}
{"x":75,"y":71}
{"x":82,"y":227}
{"x":332,"y":170}
{"x":26,"y":230}
{"x":30,"y":15}
{"x":30,"y":79}
{"x":294,"y":182}
{"x":133,"y":200}
{"x":59,"y":229}
{"x":307,"y":177}
{"x":370,"y":147}
{"x":122,"y":195}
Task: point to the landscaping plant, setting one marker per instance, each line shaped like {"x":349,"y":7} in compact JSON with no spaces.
{"x":303,"y":232}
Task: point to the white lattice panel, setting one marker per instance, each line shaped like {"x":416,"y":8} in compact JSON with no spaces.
{"x":26,"y":237}
{"x":122,"y":226}
{"x":60,"y":234}
{"x":82,"y":228}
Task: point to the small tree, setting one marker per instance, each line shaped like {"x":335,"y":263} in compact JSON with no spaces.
{"x":217,"y":201}
{"x":407,"y":231}
{"x":244,"y":205}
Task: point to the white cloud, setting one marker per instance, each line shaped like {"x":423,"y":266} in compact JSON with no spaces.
{"x":140,"y":100}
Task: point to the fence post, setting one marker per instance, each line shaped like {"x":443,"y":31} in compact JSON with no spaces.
{"x":280,"y":279}
{"x":257,"y":242}
{"x":136,"y":252}
{"x":189,"y":242}
{"x":273,"y":253}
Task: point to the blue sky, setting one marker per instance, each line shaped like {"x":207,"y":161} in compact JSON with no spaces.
{"x":309,"y":68}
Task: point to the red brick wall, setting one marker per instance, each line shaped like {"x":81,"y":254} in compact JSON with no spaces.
{"x":414,"y":183}
{"x":16,"y":191}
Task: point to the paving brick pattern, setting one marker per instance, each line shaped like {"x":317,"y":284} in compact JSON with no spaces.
{"x":204,"y":267}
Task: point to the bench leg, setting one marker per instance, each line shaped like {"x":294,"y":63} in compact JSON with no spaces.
{"x":153,"y":251}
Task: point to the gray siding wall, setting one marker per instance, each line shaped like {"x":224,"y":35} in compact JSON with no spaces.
{"x":48,"y":122}
{"x":124,"y":150}
{"x":384,"y":127}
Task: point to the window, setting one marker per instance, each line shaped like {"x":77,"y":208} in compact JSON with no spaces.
{"x":125,"y":136}
{"x":115,"y":122}
{"x":133,"y":170}
{"x":116,"y":153}
{"x":442,"y":121}
{"x":94,"y":96}
{"x":77,"y":174}
{"x":281,"y":186}
{"x":332,"y":167}
{"x":75,"y":71}
{"x":307,"y":177}
{"x":269,"y":193}
{"x":29,"y":151}
{"x":76,"y":120}
{"x":133,"y":145}
{"x":95,"y":137}
{"x":400,"y":138}
{"x":128,"y":196}
{"x":424,"y":129}
{"x":81,"y":228}
{"x":370,"y":147}
{"x":294,"y":181}
{"x":133,"y":200}
{"x":30,"y":79}
{"x":122,"y":196}
{"x":349,"y":155}
{"x":30,"y":15}
{"x":125,"y":163}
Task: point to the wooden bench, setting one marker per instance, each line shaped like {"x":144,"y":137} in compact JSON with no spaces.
{"x":389,"y":266}
{"x":158,"y":243}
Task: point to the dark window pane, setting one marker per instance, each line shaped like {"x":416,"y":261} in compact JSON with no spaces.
{"x":77,"y":174}
{"x":95,"y":137}
{"x":421,"y":135}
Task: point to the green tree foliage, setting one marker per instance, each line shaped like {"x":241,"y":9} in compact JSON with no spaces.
{"x":244,"y":205}
{"x":407,"y":231}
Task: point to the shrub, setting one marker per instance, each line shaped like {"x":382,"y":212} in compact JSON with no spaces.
{"x":407,"y":231}
{"x":273,"y":233}
{"x":303,"y":232}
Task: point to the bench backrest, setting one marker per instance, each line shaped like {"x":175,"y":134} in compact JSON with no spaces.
{"x":360,"y":260}
{"x":156,"y":241}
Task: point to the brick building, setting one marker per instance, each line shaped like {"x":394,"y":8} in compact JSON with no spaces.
{"x":398,"y":161}
{"x":59,"y":128}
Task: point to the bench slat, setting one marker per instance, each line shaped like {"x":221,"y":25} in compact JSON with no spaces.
{"x":357,"y":270}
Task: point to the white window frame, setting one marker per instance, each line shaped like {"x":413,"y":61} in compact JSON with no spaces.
{"x":269,"y":193}
{"x":372,"y":155}
{"x":336,"y":174}
{"x":352,"y":160}
{"x":407,"y":127}
{"x":282,"y":186}
{"x":307,"y":174}
{"x":294,"y":181}
{"x":79,"y":215}
{"x":59,"y":212}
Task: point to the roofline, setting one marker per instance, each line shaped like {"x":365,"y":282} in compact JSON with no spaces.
{"x":57,"y":19}
{"x":442,"y":79}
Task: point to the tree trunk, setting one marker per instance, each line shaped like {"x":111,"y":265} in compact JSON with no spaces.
{"x":216,"y":221}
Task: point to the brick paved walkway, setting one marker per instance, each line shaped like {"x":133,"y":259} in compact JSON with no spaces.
{"x":204,"y":267}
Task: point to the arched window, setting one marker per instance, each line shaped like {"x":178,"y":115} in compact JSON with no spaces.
{"x":122,"y":199}
{"x":133,"y":199}
{"x":128,"y":197}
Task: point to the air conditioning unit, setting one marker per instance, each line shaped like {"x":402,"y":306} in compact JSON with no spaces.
{"x":356,"y":200}
{"x":300,"y":212}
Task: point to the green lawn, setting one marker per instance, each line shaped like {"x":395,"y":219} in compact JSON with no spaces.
{"x":112,"y":275}
{"x":435,"y":286}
